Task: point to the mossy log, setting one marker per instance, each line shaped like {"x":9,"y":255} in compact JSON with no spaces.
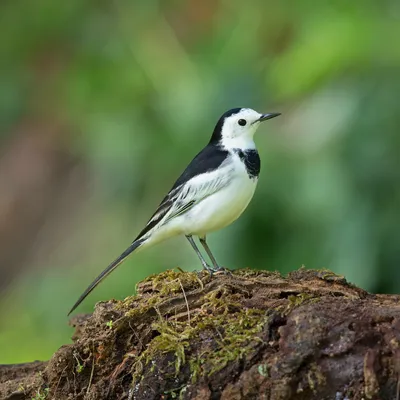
{"x":248,"y":335}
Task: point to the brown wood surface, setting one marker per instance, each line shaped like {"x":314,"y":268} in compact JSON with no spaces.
{"x":249,"y":335}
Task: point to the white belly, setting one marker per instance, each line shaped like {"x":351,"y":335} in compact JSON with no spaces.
{"x":217,"y":210}
{"x":220,"y":209}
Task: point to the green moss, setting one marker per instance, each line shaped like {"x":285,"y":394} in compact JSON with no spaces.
{"x":162,"y":286}
{"x":296,"y":301}
{"x":232,"y":335}
{"x":217,"y":300}
{"x":140,"y":308}
{"x":109,"y":324}
{"x":41,"y":394}
{"x":220,"y":330}
{"x":230,"y":331}
{"x":330,"y":276}
{"x":263,"y":370}
{"x":172,"y":281}
{"x":248,"y":273}
{"x":170,"y":341}
{"x":195,"y":366}
{"x":235,"y":338}
{"x":79,"y":367}
{"x":299,"y":299}
{"x":315,"y":377}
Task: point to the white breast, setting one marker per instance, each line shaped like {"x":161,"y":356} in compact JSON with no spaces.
{"x":225,"y":206}
{"x":235,"y":190}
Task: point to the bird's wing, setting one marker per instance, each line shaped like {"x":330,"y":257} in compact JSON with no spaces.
{"x":197,"y":189}
{"x":183,"y":197}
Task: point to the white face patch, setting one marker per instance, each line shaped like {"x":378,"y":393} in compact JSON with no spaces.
{"x":238,"y":129}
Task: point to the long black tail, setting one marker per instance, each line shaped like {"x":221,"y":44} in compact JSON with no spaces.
{"x":107,"y":271}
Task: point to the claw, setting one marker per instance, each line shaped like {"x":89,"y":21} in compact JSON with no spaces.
{"x":226,"y":271}
{"x":209,"y":270}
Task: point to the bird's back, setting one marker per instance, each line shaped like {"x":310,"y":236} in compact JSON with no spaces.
{"x":208,"y":160}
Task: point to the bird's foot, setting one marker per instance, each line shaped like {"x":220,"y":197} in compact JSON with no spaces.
{"x":210,"y":270}
{"x":218,"y":268}
{"x":215,"y":269}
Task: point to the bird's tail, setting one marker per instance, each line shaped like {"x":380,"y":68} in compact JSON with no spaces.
{"x":136,"y":244}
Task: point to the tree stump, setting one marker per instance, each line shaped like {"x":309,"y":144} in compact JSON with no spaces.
{"x":245,"y":335}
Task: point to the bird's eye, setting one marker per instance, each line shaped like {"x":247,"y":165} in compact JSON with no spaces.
{"x":242,"y":122}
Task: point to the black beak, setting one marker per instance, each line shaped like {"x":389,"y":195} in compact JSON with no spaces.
{"x":264,"y":117}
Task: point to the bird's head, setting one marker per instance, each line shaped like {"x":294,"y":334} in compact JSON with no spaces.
{"x":237,"y":126}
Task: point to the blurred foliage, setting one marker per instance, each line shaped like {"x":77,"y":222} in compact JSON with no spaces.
{"x":137,"y":88}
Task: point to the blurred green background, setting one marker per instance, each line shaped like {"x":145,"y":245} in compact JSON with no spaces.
{"x":103,"y":103}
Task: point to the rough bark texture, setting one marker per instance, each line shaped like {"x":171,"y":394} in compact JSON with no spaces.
{"x":249,"y":335}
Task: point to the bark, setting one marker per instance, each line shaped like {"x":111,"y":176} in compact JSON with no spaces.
{"x":249,"y":335}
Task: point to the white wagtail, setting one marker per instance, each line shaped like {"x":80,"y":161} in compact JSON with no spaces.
{"x":212,"y":192}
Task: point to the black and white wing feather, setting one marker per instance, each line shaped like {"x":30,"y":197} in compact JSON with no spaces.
{"x":195,"y":184}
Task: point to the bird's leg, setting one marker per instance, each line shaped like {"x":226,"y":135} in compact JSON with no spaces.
{"x":208,"y":251}
{"x":212,"y":258}
{"x":195,"y":248}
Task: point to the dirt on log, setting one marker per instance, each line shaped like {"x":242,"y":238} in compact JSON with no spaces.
{"x":248,"y":335}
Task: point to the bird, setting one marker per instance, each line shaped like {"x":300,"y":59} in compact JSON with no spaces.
{"x":211,"y":193}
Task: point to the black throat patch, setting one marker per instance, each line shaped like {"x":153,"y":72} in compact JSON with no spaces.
{"x":251,"y":161}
